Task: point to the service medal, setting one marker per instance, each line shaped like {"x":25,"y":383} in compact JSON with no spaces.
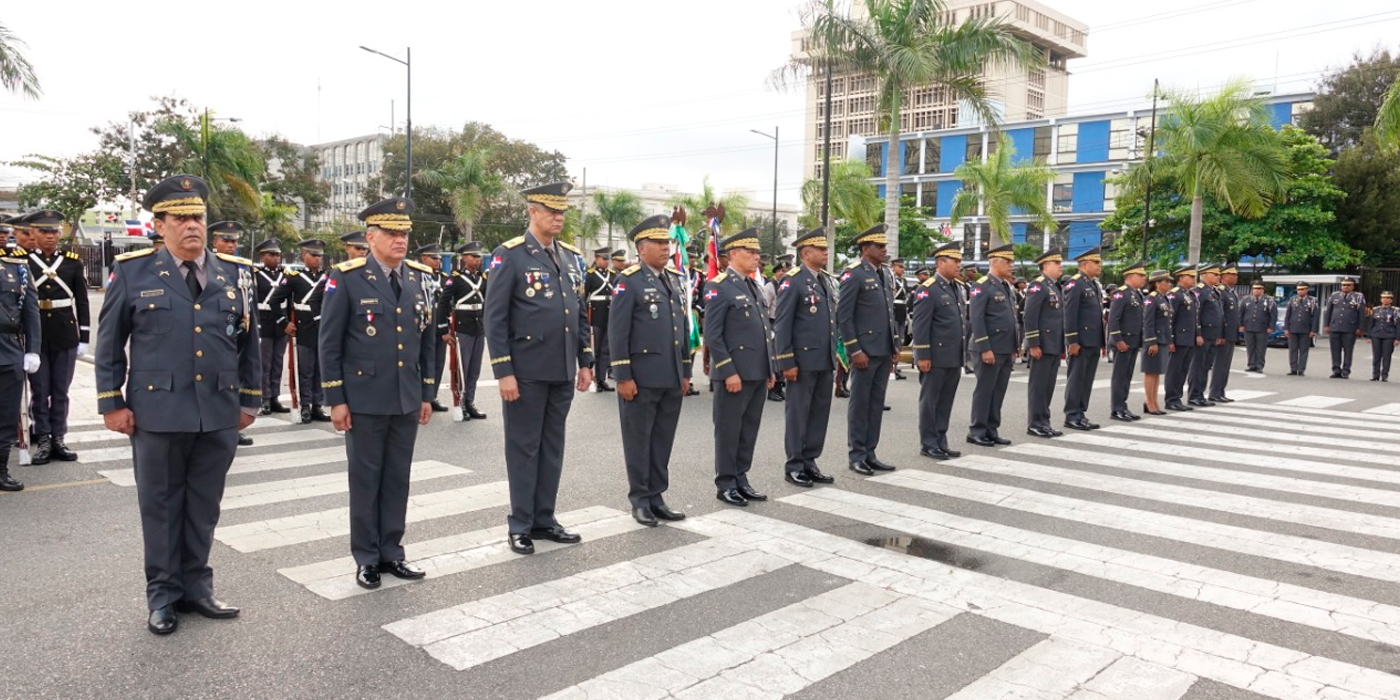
{"x":370,"y":331}
{"x":653,"y":311}
{"x":812,"y":310}
{"x":230,"y":293}
{"x":530,"y":292}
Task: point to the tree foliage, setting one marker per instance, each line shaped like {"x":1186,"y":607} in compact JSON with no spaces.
{"x":293,"y":177}
{"x":851,"y":199}
{"x":736,"y":207}
{"x":69,"y":185}
{"x":470,"y":184}
{"x":1002,"y":186}
{"x":16,"y":73}
{"x":1348,"y":99}
{"x":620,"y":209}
{"x":1370,"y":215}
{"x":1388,"y":116}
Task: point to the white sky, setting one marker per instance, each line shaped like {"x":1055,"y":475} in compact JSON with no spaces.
{"x":633,"y":91}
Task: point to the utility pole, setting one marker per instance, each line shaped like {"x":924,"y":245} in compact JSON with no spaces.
{"x":1151,"y":149}
{"x":826,"y":169}
{"x":407,"y":63}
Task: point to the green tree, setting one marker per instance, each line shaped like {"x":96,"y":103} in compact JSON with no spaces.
{"x":736,"y":207}
{"x":16,"y":73}
{"x":580,"y":227}
{"x":158,"y":154}
{"x":917,"y":238}
{"x":908,"y":44}
{"x":617,"y":209}
{"x":851,"y":198}
{"x":469,"y":183}
{"x":1348,"y":99}
{"x":293,"y":177}
{"x":1003,"y":187}
{"x":1388,"y":116}
{"x":1370,"y":215}
{"x":69,"y":185}
{"x":229,"y":161}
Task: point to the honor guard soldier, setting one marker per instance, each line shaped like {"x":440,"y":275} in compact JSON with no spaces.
{"x":938,"y":350}
{"x":1223,"y":355}
{"x":61,"y":287}
{"x":1044,"y":329}
{"x":1125,"y":331}
{"x":1385,"y":335}
{"x":464,"y":302}
{"x":1300,"y":323}
{"x":1343,"y":319}
{"x":183,"y":410}
{"x":1211,"y":311}
{"x":377,"y":344}
{"x":865,"y":314}
{"x":1257,"y":315}
{"x":619,"y":260}
{"x":741,"y":365}
{"x":431,"y":256}
{"x":993,"y":314}
{"x":902,"y":290}
{"x":23,"y":234}
{"x":20,"y":345}
{"x":224,"y":239}
{"x":304,"y":288}
{"x":7,"y":231}
{"x":649,"y":335}
{"x":268,"y":277}
{"x":356,"y":246}
{"x":1186,"y":335}
{"x":1084,"y":336}
{"x":541,"y":352}
{"x":157,"y":240}
{"x":804,"y":350}
{"x":1157,"y":338}
{"x":598,"y":287}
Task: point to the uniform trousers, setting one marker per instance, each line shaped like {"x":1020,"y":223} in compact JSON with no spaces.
{"x":1079,"y":381}
{"x":992,"y":381}
{"x":534,"y":429}
{"x":937,"y":389}
{"x":11,"y":382}
{"x":1343,"y":345}
{"x":1381,"y":351}
{"x":1122,"y":379}
{"x":309,"y":376}
{"x":48,"y":389}
{"x":1201,"y":361}
{"x":1177,"y":368}
{"x":273,"y":352}
{"x":866,"y":411}
{"x":1299,"y":345}
{"x":469,"y":351}
{"x":807,"y":411}
{"x":1222,"y":356}
{"x":379,"y":449}
{"x":602,"y":354}
{"x":1040,"y":390}
{"x":736,"y":417}
{"x":649,"y":423}
{"x":1256,"y":345}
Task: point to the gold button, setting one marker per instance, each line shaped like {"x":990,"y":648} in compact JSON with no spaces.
{"x":199,"y":353}
{"x":400,"y":363}
{"x":199,"y":377}
{"x":398,"y":311}
{"x":150,"y":388}
{"x":150,"y":306}
{"x":359,"y":374}
{"x":400,"y":346}
{"x":196,"y":307}
{"x":398,"y":328}
{"x":197,"y":329}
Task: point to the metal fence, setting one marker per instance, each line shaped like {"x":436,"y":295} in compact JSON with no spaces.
{"x":1374,"y":280}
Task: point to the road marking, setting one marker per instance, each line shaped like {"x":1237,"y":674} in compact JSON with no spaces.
{"x":1201,"y":438}
{"x":1389,"y":409}
{"x":104,"y":435}
{"x":286,"y":437}
{"x":1315,"y":401}
{"x":1366,"y":418}
{"x":250,"y":464}
{"x":1276,"y":424}
{"x":266,"y":492}
{"x":1135,"y":679}
{"x":1372,"y":423}
{"x":1050,"y":670}
{"x":1204,"y":426}
{"x":1249,"y":394}
{"x":64,"y":485}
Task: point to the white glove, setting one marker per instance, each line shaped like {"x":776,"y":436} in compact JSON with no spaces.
{"x":31,"y":363}
{"x":82,"y":349}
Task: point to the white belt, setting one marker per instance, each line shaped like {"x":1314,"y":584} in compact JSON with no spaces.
{"x":264,"y":307}
{"x":302,"y":307}
{"x":595,"y":297}
{"x":468,"y":307}
{"x":55,"y":303}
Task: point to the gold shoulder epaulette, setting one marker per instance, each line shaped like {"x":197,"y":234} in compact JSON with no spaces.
{"x":1041,"y":278}
{"x":981,"y":279}
{"x":853,"y":264}
{"x":1077,"y":276}
{"x":513,"y":242}
{"x":670,"y":268}
{"x":234,"y":259}
{"x":929,"y":282}
{"x":417,"y":265}
{"x":1174,"y":289}
{"x":569,"y":248}
{"x":720,"y":277}
{"x":349,"y":265}
{"x":633,"y":270}
{"x":7,"y":256}
{"x":71,"y":254}
{"x":16,"y":250}
{"x":135,"y":254}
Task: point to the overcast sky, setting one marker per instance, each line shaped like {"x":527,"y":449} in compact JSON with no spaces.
{"x":633,"y":91}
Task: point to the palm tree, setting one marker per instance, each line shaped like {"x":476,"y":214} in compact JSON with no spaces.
{"x":735,"y":205}
{"x":16,"y":73}
{"x":1002,"y":186}
{"x":621,"y":208}
{"x":909,"y":44}
{"x":228,"y":160}
{"x":852,"y":199}
{"x":1388,"y":118}
{"x":1221,"y":145}
{"x":470,"y":185}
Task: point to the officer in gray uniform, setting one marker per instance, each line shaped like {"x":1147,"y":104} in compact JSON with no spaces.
{"x":272,"y":322}
{"x":994,"y":333}
{"x":598,"y":287}
{"x":1211,"y":311}
{"x":804,"y":350}
{"x":377,"y":345}
{"x":1157,"y":340}
{"x":1343,"y":318}
{"x":464,"y":302}
{"x":183,"y":410}
{"x":1257,"y":314}
{"x":1084,"y":337}
{"x":541,"y":351}
{"x":1223,"y":355}
{"x":19,"y":350}
{"x":1385,"y":335}
{"x":741,"y":365}
{"x":1044,"y":329}
{"x":61,"y":287}
{"x":1125,"y":331}
{"x":1300,"y":322}
{"x":1186,"y":335}
{"x":865,"y":314}
{"x":938,"y":319}
{"x":649,"y":336}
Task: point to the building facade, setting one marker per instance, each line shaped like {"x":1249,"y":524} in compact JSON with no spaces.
{"x":656,"y":198}
{"x":347,"y":166}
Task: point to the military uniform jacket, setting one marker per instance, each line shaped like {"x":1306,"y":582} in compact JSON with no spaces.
{"x":736,"y":330}
{"x":1211,"y":314}
{"x":649,"y":330}
{"x":1230,"y":310}
{"x":993,"y":312}
{"x":535,"y":325}
{"x":865,"y":310}
{"x":598,"y":288}
{"x":463,"y":299}
{"x":939,"y":322}
{"x":1186,"y":321}
{"x":1083,"y":312}
{"x":1157,"y":322}
{"x":19,"y":309}
{"x":804,"y":329}
{"x":435,"y":288}
{"x":1258,"y":315}
{"x":1044,"y":318}
{"x":1385,"y":322}
{"x":1125,"y":317}
{"x":1344,"y":313}
{"x":61,"y":287}
{"x":377,"y":352}
{"x":305,"y":291}
{"x":272,"y":320}
{"x":192,"y":362}
{"x":1302,"y":315}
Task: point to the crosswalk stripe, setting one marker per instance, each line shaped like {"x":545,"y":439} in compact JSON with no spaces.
{"x":309,"y":527}
{"x":1267,"y":436}
{"x":1346,"y":559}
{"x":1371,"y":418}
{"x":783,"y":651}
{"x":1134,"y":679}
{"x":477,"y":632}
{"x":251,"y":464}
{"x":1276,"y":424}
{"x":1265,"y":445}
{"x":1389,"y":409}
{"x":1248,"y":394}
{"x":1369,"y":620}
{"x":86,"y":423}
{"x":286,"y":437}
{"x":1319,"y":416}
{"x":1315,"y":401}
{"x":89,"y":436}
{"x":266,"y":492}
{"x":1025,"y":675}
{"x":455,"y":554}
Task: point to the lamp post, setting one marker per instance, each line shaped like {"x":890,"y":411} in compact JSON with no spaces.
{"x":1151,"y":149}
{"x":773,"y":136}
{"x":407,"y":63}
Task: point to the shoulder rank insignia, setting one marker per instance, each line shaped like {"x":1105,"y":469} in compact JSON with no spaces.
{"x":513,"y":242}
{"x":135,"y":254}
{"x":633,"y":270}
{"x":416,"y":265}
{"x":234,"y":259}
{"x":349,"y":265}
{"x":569,"y":248}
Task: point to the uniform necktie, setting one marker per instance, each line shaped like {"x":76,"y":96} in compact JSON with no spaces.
{"x":192,"y":279}
{"x":394,"y":284}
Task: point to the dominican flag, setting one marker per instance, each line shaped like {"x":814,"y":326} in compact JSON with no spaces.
{"x":136,"y":228}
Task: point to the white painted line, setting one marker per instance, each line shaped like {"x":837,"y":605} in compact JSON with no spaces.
{"x":1389,"y":409}
{"x":1257,"y":445}
{"x":1248,"y":394}
{"x":266,"y":492}
{"x":1303,"y":551}
{"x":1050,"y":670}
{"x":1315,"y":401}
{"x":86,"y":423}
{"x":1368,"y":418}
{"x":1274,"y":424}
{"x":474,"y":633}
{"x":1304,"y":606}
{"x":1247,"y":375}
{"x":104,"y":435}
{"x":1203,"y":425}
{"x":455,"y":554}
{"x":309,"y":527}
{"x":286,"y":437}
{"x":1135,"y":679}
{"x":249,"y":464}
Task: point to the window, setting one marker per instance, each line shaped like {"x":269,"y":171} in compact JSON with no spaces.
{"x":1121,"y":139}
{"x":1041,"y":148}
{"x":911,"y":157}
{"x":933,"y":152}
{"x":909,"y":194}
{"x":1063,"y":198}
{"x":1110,"y":196}
{"x":974,"y":148}
{"x":1060,"y":239}
{"x":1035,"y":235}
{"x":875,"y":158}
{"x":1069,"y":142}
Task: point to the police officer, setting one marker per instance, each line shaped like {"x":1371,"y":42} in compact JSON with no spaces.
{"x":1257,"y":314}
{"x":377,"y":344}
{"x":431,"y":256}
{"x":20,"y":344}
{"x":994,"y":332}
{"x":804,"y":350}
{"x":1300,"y":322}
{"x":865,"y":314}
{"x":1157,"y":341}
{"x":1044,"y":329}
{"x":537,"y":336}
{"x":224,"y":237}
{"x":272,"y":322}
{"x":770,"y":302}
{"x":7,"y":231}
{"x":24,"y":235}
{"x":969,"y":278}
{"x":1223,"y":354}
{"x":1210,"y":308}
{"x":1343,"y":319}
{"x":1084,"y":336}
{"x":1186,"y":335}
{"x":356,"y":245}
{"x":1385,"y":335}
{"x":183,"y":410}
{"x":741,"y":366}
{"x":464,"y":302}
{"x":61,"y":286}
{"x":649,"y":335}
{"x":938,"y":350}
{"x":304,"y":289}
{"x":598,"y":287}
{"x":1125,"y":331}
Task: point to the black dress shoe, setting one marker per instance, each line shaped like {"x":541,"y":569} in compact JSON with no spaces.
{"x":277,"y":407}
{"x":244,"y":440}
{"x":438,"y":407}
{"x":877,"y":465}
{"x":1122,"y":415}
{"x":1178,"y":406}
{"x":555,"y":533}
{"x":266,"y":409}
{"x":1040,"y":432}
{"x":1134,"y":416}
{"x":521,"y":544}
{"x":319,"y":415}
{"x":937,"y":453}
{"x":1223,"y":399}
{"x":1200,"y":403}
{"x":305,"y":414}
{"x":61,"y":451}
{"x":952,"y":453}
{"x":163,"y":620}
{"x":208,"y":607}
{"x":773,"y":395}
{"x":401,"y":569}
{"x":732,"y":497}
{"x":843,"y":393}
{"x":1077,"y":425}
{"x":605,"y":387}
{"x":886,"y":408}
{"x":817,"y":476}
{"x":999,"y":440}
{"x":367,"y":577}
{"x":644,"y":516}
{"x":899,"y":376}
{"x":1336,"y":375}
{"x":470,"y":411}
{"x":751,"y":495}
{"x":42,"y":450}
{"x":861,"y":468}
{"x":798,"y":479}
{"x":981,"y":441}
{"x":664,"y":512}
{"x":693,"y":391}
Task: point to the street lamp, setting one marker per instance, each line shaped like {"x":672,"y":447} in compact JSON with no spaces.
{"x":407,"y":63}
{"x":1151,"y":150}
{"x":773,"y":136}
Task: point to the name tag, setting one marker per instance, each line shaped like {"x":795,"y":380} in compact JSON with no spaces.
{"x":152,"y":293}
{"x":367,"y":302}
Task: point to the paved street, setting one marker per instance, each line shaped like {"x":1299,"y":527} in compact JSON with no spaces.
{"x":1241,"y":551}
